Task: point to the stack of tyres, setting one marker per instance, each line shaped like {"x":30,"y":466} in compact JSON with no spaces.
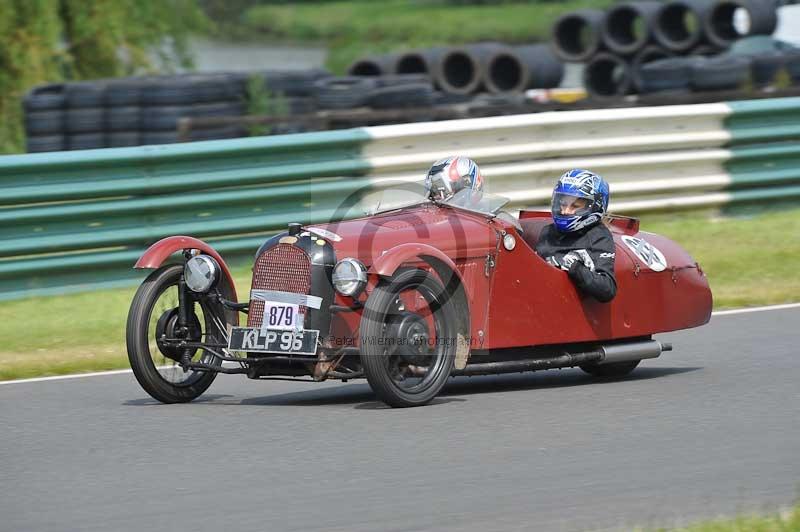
{"x":124,"y":113}
{"x":165,"y":101}
{"x":642,"y":32}
{"x":44,"y":119}
{"x":85,"y":117}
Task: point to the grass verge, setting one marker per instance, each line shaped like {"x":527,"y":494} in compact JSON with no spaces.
{"x":786,"y":522}
{"x":749,"y":261}
{"x":356,"y":29}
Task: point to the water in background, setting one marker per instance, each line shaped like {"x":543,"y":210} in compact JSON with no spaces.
{"x":214,"y":55}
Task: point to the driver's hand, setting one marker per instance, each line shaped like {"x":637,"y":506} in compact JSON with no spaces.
{"x":569,"y":259}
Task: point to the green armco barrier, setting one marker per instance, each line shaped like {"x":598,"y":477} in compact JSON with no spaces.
{"x":76,"y":220}
{"x":79,"y":220}
{"x":148,"y":170}
{"x":767,"y":120}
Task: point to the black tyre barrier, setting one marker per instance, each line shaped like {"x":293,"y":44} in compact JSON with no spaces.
{"x":719,"y":25}
{"x":607,"y":75}
{"x":577,"y":36}
{"x":123,"y":139}
{"x":344,"y":92}
{"x":42,"y":143}
{"x":673,"y":74}
{"x":301,"y":106}
{"x":523,"y":67}
{"x":720,"y":73}
{"x":414,"y":62}
{"x":210,"y":88}
{"x":646,"y":55}
{"x":393,"y":80}
{"x":458,"y":71}
{"x":377,"y":65}
{"x":446,"y":98}
{"x":706,"y":50}
{"x":792,"y":64}
{"x":89,"y":94}
{"x":764,"y":67}
{"x":46,"y":98}
{"x":125,"y":118}
{"x":297,"y":83}
{"x":420,"y":61}
{"x":463,"y":70}
{"x":164,"y":117}
{"x":86,"y":141}
{"x":124,"y":93}
{"x":167,"y":93}
{"x":628,"y":26}
{"x":159,"y":137}
{"x":86,"y":120}
{"x":210,"y":110}
{"x":44,"y":122}
{"x":217,"y":133}
{"x":401,"y":96}
{"x":678,"y":25}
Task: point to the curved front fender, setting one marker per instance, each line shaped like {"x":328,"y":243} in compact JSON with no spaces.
{"x":387,"y":264}
{"x":156,"y":254}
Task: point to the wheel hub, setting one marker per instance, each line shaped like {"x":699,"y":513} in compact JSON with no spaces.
{"x":168,"y":333}
{"x":412,"y":336}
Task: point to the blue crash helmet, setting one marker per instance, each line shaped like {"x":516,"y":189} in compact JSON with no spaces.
{"x":580,"y":199}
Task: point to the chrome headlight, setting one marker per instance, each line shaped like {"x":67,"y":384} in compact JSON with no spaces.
{"x":200,"y":273}
{"x":349,"y":277}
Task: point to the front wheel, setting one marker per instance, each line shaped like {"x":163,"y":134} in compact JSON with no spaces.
{"x":152,"y":317}
{"x":408,"y":338}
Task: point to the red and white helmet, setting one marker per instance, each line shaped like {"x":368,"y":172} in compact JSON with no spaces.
{"x":450,"y":175}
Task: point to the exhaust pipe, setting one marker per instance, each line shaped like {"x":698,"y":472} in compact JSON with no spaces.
{"x":604,"y":355}
{"x":633,"y":351}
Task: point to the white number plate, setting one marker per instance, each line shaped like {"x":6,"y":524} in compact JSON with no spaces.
{"x":282,"y":316}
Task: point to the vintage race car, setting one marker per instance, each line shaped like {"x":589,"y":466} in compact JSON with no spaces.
{"x":406,"y":297}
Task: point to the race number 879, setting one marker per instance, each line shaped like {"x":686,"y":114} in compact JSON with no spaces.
{"x":283,"y":316}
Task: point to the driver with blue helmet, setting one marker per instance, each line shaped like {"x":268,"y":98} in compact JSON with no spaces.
{"x":576,"y":241}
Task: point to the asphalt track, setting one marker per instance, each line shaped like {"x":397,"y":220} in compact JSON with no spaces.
{"x":708,"y":429}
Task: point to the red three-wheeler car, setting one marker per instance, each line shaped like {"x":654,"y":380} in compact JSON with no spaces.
{"x":406,"y":297}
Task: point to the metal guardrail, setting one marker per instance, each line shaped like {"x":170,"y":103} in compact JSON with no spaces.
{"x":72,"y":220}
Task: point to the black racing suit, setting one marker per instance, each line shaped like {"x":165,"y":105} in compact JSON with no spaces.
{"x":596,"y":279}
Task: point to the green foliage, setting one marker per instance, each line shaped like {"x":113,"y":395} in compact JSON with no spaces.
{"x":261,"y":101}
{"x":54,"y":40}
{"x":353,"y":29}
{"x":789,"y":522}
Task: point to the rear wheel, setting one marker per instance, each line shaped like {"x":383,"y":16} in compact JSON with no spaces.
{"x":408,"y":338}
{"x":154,"y":315}
{"x":615,"y":369}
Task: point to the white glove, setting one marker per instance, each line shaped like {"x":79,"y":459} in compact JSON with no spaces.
{"x":569,"y":259}
{"x":585,"y":258}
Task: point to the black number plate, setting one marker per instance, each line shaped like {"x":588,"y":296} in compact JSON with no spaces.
{"x":273,"y":341}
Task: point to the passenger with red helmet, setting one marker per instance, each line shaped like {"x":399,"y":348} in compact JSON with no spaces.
{"x":450,"y":175}
{"x":576,"y":241}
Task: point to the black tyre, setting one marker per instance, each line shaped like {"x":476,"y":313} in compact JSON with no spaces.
{"x":408,"y":333}
{"x":401,"y":96}
{"x":86,"y":141}
{"x":720,"y":73}
{"x":85,"y":120}
{"x":45,"y":98}
{"x":126,"y":118}
{"x":343,"y":92}
{"x":44,"y":122}
{"x":153,"y":312}
{"x":37,"y":144}
{"x":85,"y":94}
{"x":122,"y":139}
{"x":615,"y":369}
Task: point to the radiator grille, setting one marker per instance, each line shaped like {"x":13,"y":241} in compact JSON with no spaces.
{"x":283,"y":267}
